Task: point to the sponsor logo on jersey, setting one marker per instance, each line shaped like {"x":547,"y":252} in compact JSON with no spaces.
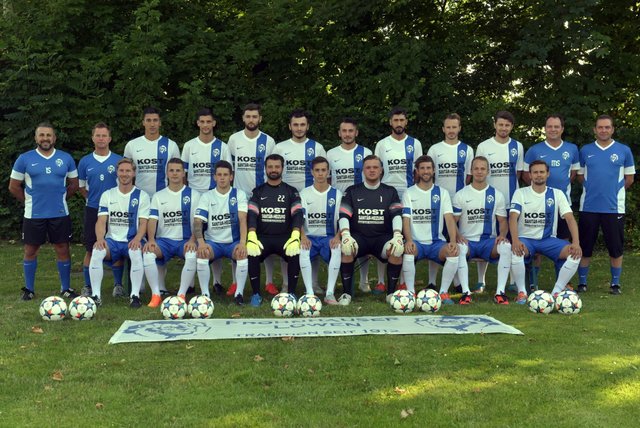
{"x":174,"y":214}
{"x":534,"y":215}
{"x":476,"y":211}
{"x":370,"y":211}
{"x":153,"y":161}
{"x":120,"y":214}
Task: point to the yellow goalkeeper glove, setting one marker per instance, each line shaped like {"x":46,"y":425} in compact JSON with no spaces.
{"x":292,"y":246}
{"x":348,"y":244}
{"x":254,"y":246}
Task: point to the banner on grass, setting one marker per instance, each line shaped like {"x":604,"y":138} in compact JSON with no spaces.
{"x":260,"y":328}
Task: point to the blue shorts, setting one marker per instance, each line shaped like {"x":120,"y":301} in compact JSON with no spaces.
{"x":170,"y":248}
{"x":320,"y":247}
{"x":118,"y":249}
{"x":549,"y":247}
{"x":430,"y":251}
{"x":482,"y":249}
{"x":222,"y":250}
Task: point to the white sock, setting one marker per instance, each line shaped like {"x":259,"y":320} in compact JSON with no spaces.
{"x":234,"y":267}
{"x":204,"y":275}
{"x":162,"y":274}
{"x":268,"y":269}
{"x":216,"y":267}
{"x":333,"y":270}
{"x":364,"y":271}
{"x":482,"y":271}
{"x":305,"y":270}
{"x":518,"y":272}
{"x":504,"y":266}
{"x":151,"y":271}
{"x":567,"y":271}
{"x":96,"y":271}
{"x":382,"y":268}
{"x":315,"y":268}
{"x":285,"y":276}
{"x":137,"y":271}
{"x":433,"y":272}
{"x":241,"y":272}
{"x":409,"y":271}
{"x":448,"y":271}
{"x":463,"y":268}
{"x":188,"y":271}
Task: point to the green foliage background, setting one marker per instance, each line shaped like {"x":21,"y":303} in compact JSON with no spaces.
{"x":77,"y":62}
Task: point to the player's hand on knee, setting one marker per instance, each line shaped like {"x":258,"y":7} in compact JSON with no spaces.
{"x":254,"y":246}
{"x":292,"y":246}
{"x":348,"y":244}
{"x":395,"y":245}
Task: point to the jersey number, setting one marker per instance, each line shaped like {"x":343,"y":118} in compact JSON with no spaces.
{"x":280,"y":198}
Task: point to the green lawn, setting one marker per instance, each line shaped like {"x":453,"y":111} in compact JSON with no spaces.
{"x":565,"y":371}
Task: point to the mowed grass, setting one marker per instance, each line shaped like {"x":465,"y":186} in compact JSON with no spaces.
{"x":565,"y":371}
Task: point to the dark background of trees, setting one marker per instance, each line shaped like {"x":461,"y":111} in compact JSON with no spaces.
{"x":77,"y":62}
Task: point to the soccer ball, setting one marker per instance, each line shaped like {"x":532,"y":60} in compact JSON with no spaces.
{"x":402,"y":301}
{"x":568,"y":302}
{"x":82,"y":308}
{"x":173,"y":308}
{"x":200,"y":307}
{"x":540,"y":302}
{"x":309,"y":306}
{"x":283,"y":305}
{"x":428,"y":300}
{"x":53,"y":308}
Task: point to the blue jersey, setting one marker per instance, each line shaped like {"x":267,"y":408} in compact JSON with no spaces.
{"x":604,"y":170}
{"x":561,"y":160}
{"x":97,"y":174}
{"x":45,"y":180}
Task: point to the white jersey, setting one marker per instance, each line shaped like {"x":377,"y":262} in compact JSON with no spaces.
{"x":150,"y":158}
{"x":174,"y":212}
{"x":453,"y":164}
{"x":247,"y":158}
{"x":477,"y":211}
{"x":505,"y":161}
{"x":539,"y":211}
{"x":321,"y":210}
{"x":346,"y":166}
{"x":426,"y":211}
{"x":199,"y":161}
{"x":124,"y":212}
{"x":220,"y":213}
{"x":297,"y":161}
{"x":397,"y":160}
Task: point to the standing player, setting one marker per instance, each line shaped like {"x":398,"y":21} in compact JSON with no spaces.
{"x":321,"y":208}
{"x":274,"y":222}
{"x":224,"y":211}
{"x":533,"y":221}
{"x":150,"y":153}
{"x":120,"y":229}
{"x":248,"y":149}
{"x":607,"y":169}
{"x":397,"y":153}
{"x":200,"y":155}
{"x":97,"y":173}
{"x":371,"y":211}
{"x":49,"y":176}
{"x":564,"y":161}
{"x":477,"y":208}
{"x":346,"y":162}
{"x":426,"y":208}
{"x":170,"y":228}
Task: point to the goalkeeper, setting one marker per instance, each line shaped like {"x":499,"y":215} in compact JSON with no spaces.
{"x":274,"y":220}
{"x":370,"y":223}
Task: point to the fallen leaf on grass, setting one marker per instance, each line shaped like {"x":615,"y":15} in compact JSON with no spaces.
{"x":48,"y":387}
{"x":288,"y":338}
{"x":99,"y":406}
{"x":57,"y":375}
{"x":399,"y":390}
{"x":310,"y":371}
{"x":236,"y":315}
{"x":396,"y":362}
{"x":258,"y":358}
{"x":37,"y":330}
{"x":405,"y":413}
{"x":190,"y":346}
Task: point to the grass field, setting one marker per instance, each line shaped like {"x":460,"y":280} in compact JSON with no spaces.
{"x":566,"y":371}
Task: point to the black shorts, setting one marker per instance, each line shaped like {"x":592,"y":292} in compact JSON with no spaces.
{"x":89,"y":230}
{"x":37,"y":231}
{"x":612,"y":226}
{"x":562,"y":230}
{"x":372,"y":245}
{"x":273,"y":244}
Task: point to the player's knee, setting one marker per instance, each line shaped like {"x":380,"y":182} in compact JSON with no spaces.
{"x":463,"y":250}
{"x":136,"y":258}
{"x":98,"y":256}
{"x":452,"y":261}
{"x":408,"y":258}
{"x":149,"y":258}
{"x":504,"y":248}
{"x":190,"y":255}
{"x":516,"y":260}
{"x":202,"y":265}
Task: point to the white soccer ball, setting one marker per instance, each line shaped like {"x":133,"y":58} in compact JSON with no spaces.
{"x":568,"y":302}
{"x":428,"y":300}
{"x":402,"y":301}
{"x":82,"y":308}
{"x":283,"y":305}
{"x":173,"y":308}
{"x":309,"y":306}
{"x":53,"y":308}
{"x":200,"y":307}
{"x":540,"y":302}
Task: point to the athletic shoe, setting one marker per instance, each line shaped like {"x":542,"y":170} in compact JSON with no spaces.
{"x":69,"y":293}
{"x":465,"y":299}
{"x":364,"y":287}
{"x":191,"y":290}
{"x":156,"y":299}
{"x":318,"y":291}
{"x":567,"y":287}
{"x":380,"y":288}
{"x":478,"y":288}
{"x":432,"y":287}
{"x":458,"y":288}
{"x":27,"y":294}
{"x":615,"y":289}
{"x":97,"y":300}
{"x":134,"y":302}
{"x":239,"y":300}
{"x":183,"y":297}
{"x":86,"y":291}
{"x":532,"y":288}
{"x":402,"y":286}
{"x":218,"y":289}
{"x":522,"y":298}
{"x":388,"y":298}
{"x":232,"y":289}
{"x":118,"y":290}
{"x":500,"y":299}
{"x":271,"y":289}
{"x":330,"y":299}
{"x":582,"y":288}
{"x":344,"y":300}
{"x":256,"y":300}
{"x":512,"y":287}
{"x":446,"y":299}
{"x":165,"y":293}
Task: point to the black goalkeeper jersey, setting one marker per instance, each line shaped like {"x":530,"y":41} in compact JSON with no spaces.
{"x":370,"y":211}
{"x":274,"y":210}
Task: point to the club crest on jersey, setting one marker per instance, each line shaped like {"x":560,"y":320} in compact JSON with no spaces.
{"x":310,"y":152}
{"x":462,"y":154}
{"x":134,"y":202}
{"x":435,"y":199}
{"x":233,"y":201}
{"x":111,"y":169}
{"x":358,"y":157}
{"x":331,"y":202}
{"x":614,"y":158}
{"x":186,"y":200}
{"x":550,"y":202}
{"x":216,"y":153}
{"x":409,"y":149}
{"x":59,"y":163}
{"x":514,"y":152}
{"x":490,"y":199}
{"x":565,"y":155}
{"x":261,"y":148}
{"x":162,"y":149}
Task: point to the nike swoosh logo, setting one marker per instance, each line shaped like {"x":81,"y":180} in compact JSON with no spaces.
{"x":34,"y":164}
{"x":620,"y":216}
{"x":163,"y":203}
{"x":193,"y":154}
{"x":468,"y":201}
{"x":543,"y":156}
{"x":360,"y":199}
{"x":89,"y":169}
{"x":491,"y":154}
{"x":439,"y":155}
{"x":287,"y":154}
{"x":590,"y":156}
{"x":112,"y":203}
{"x":526,"y":203}
{"x":388,"y":150}
{"x":262,"y":198}
{"x":139,"y":150}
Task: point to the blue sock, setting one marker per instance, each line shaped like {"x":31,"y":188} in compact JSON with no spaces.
{"x":615,"y":275}
{"x":558,"y":265}
{"x":534,"y":275}
{"x":30,"y":267}
{"x":582,"y":274}
{"x":64,"y":271}
{"x":87,"y":277}
{"x":118,"y":272}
